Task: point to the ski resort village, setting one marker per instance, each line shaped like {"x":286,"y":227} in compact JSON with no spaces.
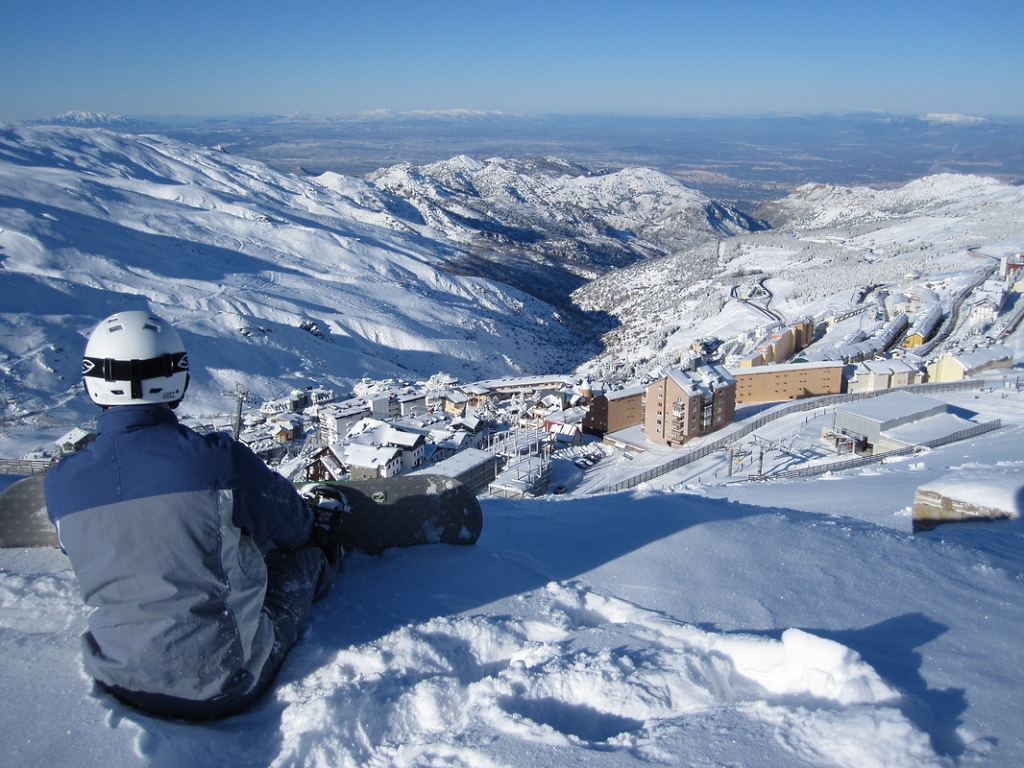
{"x":712,"y":337}
{"x":878,"y":367}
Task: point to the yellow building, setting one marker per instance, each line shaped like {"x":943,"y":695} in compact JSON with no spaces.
{"x":772,"y":383}
{"x":952,"y":367}
{"x":780,"y":346}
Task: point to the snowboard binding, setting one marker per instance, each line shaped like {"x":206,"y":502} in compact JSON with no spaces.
{"x":329,"y":507}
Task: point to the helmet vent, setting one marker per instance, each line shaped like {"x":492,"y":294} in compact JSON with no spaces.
{"x":113,"y":328}
{"x":151,"y":327}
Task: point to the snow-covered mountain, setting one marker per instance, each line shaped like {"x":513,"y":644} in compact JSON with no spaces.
{"x":597,"y":219}
{"x":827,"y":243}
{"x":463,"y":266}
{"x":947,"y":196}
{"x":548,"y":225}
{"x":323,"y":280}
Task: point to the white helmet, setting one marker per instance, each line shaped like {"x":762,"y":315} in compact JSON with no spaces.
{"x":134,"y":358}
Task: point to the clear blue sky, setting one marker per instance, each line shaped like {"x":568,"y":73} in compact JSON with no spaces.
{"x":227,"y":57}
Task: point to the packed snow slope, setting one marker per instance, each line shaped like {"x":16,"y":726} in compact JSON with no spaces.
{"x":657,"y":627}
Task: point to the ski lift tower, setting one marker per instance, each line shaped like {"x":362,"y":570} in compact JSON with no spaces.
{"x":241,"y":395}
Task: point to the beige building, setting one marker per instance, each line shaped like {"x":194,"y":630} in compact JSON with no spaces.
{"x":875,"y":375}
{"x":772,"y":383}
{"x":687,"y":404}
{"x":952,"y":367}
{"x":612,"y":411}
{"x":780,"y":346}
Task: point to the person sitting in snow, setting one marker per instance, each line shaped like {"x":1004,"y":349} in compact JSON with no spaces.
{"x":199,"y":562}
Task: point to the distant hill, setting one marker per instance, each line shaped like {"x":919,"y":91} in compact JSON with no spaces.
{"x":750,"y":158}
{"x":97,"y":120}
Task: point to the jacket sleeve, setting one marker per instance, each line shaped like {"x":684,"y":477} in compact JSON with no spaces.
{"x":267,"y":505}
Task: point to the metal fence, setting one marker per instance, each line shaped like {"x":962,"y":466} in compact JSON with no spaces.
{"x":781,"y":411}
{"x":24,"y":466}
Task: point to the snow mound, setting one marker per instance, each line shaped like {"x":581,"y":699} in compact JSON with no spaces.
{"x":425,"y":693}
{"x":672,"y":630}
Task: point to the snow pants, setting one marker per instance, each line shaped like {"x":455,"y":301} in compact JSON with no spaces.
{"x":295,"y":579}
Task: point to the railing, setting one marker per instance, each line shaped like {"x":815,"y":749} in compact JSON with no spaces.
{"x":778,"y":412}
{"x":24,"y":466}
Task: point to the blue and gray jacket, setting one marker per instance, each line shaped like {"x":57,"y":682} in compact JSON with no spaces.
{"x":166,"y":531}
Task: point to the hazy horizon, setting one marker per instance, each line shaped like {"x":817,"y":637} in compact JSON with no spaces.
{"x":660,"y":57}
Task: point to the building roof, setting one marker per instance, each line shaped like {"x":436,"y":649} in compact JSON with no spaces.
{"x":463,"y":461}
{"x":703,"y":381}
{"x":370,"y":456}
{"x":783,"y":368}
{"x":892,"y":406}
{"x":982,"y":356}
{"x":930,"y":428}
{"x":886,"y":367}
{"x":620,"y":394}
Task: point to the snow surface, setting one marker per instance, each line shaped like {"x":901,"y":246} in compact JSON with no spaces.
{"x":784,"y":623}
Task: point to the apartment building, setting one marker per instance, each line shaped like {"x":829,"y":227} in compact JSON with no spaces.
{"x":876,"y":375}
{"x":612,"y":411}
{"x":685,"y":404}
{"x":774,"y":383}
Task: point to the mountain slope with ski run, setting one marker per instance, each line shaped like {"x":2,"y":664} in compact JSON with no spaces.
{"x":331,"y":279}
{"x":827,"y":243}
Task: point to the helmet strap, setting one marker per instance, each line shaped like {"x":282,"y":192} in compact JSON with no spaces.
{"x":136,"y":371}
{"x":135,"y":376}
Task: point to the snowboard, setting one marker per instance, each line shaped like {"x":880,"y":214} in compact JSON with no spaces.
{"x":23,"y":520}
{"x":402,"y":511}
{"x":378,"y":514}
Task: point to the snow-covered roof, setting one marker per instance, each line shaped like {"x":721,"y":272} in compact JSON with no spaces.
{"x":76,"y":435}
{"x":982,"y":356}
{"x":463,"y":461}
{"x":370,"y":456}
{"x":784,"y":367}
{"x":521,"y":383}
{"x":887,"y":366}
{"x":703,"y":381}
{"x":930,"y":428}
{"x":892,"y":406}
{"x":633,"y":391}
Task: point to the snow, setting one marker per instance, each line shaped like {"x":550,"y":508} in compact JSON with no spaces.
{"x":774,"y":624}
{"x":983,"y":487}
{"x":698,"y":620}
{"x":898,"y":406}
{"x":925,"y":430}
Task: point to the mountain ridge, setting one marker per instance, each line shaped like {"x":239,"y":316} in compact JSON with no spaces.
{"x":518,"y":216}
{"x":247,"y":261}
